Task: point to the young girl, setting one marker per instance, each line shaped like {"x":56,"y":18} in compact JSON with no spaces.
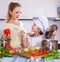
{"x":15,"y":26}
{"x":36,"y":38}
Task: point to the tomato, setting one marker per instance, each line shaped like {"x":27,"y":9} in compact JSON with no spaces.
{"x":37,"y":54}
{"x":15,"y":53}
{"x":6,"y":31}
{"x":33,"y":53}
{"x":8,"y":47}
{"x":28,"y":55}
{"x":47,"y":51}
{"x":41,"y":52}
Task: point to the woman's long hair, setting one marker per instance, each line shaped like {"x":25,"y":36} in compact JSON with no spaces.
{"x":11,"y":7}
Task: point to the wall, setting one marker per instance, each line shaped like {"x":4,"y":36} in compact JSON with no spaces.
{"x":31,"y":8}
{"x":44,"y":7}
{"x":26,"y":8}
{"x":58,"y":2}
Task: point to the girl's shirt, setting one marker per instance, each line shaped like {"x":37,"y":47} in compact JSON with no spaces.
{"x":35,"y":41}
{"x":15,"y":34}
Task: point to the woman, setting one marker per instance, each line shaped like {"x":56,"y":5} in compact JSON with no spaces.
{"x":15,"y":26}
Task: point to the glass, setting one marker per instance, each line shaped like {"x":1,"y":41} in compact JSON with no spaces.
{"x":1,"y":54}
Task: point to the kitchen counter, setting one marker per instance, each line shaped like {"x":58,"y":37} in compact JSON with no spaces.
{"x":22,"y":59}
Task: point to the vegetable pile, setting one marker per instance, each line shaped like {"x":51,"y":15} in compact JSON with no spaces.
{"x":54,"y":54}
{"x":46,"y":54}
{"x":4,"y":52}
{"x":34,"y":53}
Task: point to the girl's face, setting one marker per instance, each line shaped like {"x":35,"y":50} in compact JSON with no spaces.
{"x":55,"y":32}
{"x":35,"y":28}
{"x":16,"y":12}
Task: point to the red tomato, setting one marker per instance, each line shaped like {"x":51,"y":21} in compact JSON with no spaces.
{"x":7,"y":31}
{"x":37,"y":54}
{"x":47,"y":51}
{"x":41,"y":52}
{"x":15,"y":53}
{"x":8,"y":47}
{"x":28,"y":55}
{"x":33,"y":53}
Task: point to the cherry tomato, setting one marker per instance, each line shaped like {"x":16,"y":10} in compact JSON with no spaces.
{"x":37,"y":54}
{"x":47,"y":51}
{"x":33,"y":53}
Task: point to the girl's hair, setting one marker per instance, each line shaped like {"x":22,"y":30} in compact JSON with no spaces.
{"x":11,"y":7}
{"x":41,"y":32}
{"x":50,"y":31}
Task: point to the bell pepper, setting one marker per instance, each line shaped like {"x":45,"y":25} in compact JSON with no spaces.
{"x":8,"y":47}
{"x":6,"y":31}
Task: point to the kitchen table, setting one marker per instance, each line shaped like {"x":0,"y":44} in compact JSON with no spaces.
{"x":22,"y":59}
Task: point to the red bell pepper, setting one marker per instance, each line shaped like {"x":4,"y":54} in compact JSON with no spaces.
{"x":8,"y":47}
{"x":6,"y":31}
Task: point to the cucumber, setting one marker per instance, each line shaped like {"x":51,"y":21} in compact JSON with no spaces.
{"x":8,"y":55}
{"x":52,"y":57}
{"x":54,"y":51}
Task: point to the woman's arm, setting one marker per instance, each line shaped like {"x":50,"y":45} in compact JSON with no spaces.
{"x":24,"y":41}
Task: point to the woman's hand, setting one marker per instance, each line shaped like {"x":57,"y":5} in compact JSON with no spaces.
{"x":30,"y":33}
{"x":22,"y":32}
{"x":25,"y":41}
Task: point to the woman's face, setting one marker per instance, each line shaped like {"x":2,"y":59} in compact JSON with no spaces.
{"x":35,"y":28}
{"x":16,"y":12}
